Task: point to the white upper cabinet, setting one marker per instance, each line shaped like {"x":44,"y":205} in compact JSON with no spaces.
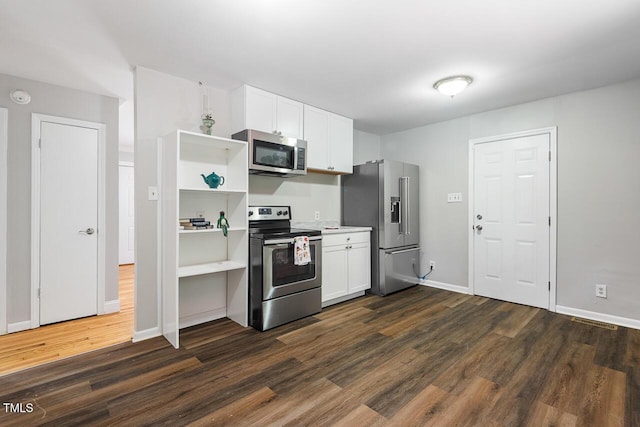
{"x":253,"y":108}
{"x":289,"y":119}
{"x":259,"y":111}
{"x":340,"y":143}
{"x":329,"y":141}
{"x":316,"y":133}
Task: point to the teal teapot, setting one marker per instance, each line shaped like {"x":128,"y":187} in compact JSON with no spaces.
{"x":213,"y":180}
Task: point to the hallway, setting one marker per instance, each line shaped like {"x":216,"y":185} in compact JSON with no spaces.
{"x":57,"y":341}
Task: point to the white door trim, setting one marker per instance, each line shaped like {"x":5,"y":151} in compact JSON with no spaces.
{"x":36,"y":120}
{"x":553,"y":196}
{"x":4,"y":126}
{"x":128,"y":164}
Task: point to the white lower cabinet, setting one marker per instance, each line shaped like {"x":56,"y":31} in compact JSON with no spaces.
{"x":346,"y":266}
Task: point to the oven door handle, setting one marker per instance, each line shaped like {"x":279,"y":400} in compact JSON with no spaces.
{"x":287,"y":241}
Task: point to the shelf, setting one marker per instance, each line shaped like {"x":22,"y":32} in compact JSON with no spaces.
{"x":184,"y":157}
{"x":214,"y":267}
{"x":211,"y":230}
{"x":208,"y":141}
{"x":212,"y":190}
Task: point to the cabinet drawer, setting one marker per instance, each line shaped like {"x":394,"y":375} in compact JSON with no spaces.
{"x":346,"y":238}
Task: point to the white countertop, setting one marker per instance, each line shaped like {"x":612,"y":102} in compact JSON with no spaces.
{"x":344,"y":229}
{"x":329,"y":227}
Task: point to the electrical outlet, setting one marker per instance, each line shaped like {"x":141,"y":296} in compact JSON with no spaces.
{"x":432,"y":264}
{"x":601,"y":291}
{"x":454,"y":197}
{"x":317,"y":215}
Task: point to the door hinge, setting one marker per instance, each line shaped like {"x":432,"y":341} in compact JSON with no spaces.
{"x":38,"y":292}
{"x":549,"y":221}
{"x":549,"y":285}
{"x":549,"y":155}
{"x":39,"y":142}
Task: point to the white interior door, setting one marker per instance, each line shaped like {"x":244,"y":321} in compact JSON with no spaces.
{"x":68,"y":222}
{"x":126,"y":225}
{"x":511,"y":219}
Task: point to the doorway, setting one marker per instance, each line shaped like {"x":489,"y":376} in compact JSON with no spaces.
{"x":68,"y":199}
{"x":512,"y":211}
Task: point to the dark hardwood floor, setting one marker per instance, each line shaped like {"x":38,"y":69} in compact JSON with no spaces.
{"x":419,"y":357}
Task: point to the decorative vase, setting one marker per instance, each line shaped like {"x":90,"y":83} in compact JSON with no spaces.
{"x":207,"y":124}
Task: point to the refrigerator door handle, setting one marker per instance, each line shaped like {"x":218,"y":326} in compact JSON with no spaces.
{"x":404,"y":203}
{"x":401,"y":251}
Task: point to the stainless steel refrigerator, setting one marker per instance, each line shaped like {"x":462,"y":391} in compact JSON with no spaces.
{"x":384,"y":195}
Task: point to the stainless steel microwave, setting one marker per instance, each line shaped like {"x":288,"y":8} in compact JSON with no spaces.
{"x":274,"y":155}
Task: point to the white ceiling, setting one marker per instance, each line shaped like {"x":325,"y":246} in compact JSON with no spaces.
{"x":375,"y":61}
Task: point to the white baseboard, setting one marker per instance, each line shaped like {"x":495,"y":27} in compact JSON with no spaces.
{"x":203,"y":317}
{"x":18,"y":326}
{"x":342,"y":299}
{"x":602,"y":317}
{"x":446,"y":286}
{"x":112,"y":306}
{"x":146,"y":334}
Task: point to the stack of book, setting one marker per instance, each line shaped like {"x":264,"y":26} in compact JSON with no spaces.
{"x":194,"y":224}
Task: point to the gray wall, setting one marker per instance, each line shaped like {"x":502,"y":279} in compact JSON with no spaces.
{"x":366,"y":147}
{"x":163,"y":104}
{"x":598,"y":197}
{"x":62,"y":102}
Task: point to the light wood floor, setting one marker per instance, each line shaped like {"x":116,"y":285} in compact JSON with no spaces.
{"x":48,"y":343}
{"x":419,"y":357}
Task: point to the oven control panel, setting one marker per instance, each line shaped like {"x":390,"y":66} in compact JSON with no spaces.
{"x":265,"y":213}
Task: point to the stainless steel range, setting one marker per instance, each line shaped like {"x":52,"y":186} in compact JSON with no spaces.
{"x":279,"y":290}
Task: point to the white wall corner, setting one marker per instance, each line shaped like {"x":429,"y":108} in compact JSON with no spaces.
{"x":112,"y":306}
{"x":19,"y":326}
{"x":601,"y":317}
{"x":446,"y":286}
{"x":146,"y":334}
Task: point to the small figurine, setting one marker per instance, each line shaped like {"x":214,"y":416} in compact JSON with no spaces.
{"x":223,"y":223}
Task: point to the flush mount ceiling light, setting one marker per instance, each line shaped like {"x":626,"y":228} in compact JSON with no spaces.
{"x":451,"y":86}
{"x":20,"y":96}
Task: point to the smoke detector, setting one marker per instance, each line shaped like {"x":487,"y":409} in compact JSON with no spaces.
{"x":20,"y":96}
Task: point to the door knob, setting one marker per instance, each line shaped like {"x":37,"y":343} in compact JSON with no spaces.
{"x":88,"y":231}
{"x":479,"y":227}
{"x":479,"y":217}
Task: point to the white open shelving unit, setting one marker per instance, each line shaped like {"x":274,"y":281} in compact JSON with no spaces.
{"x":202,"y":259}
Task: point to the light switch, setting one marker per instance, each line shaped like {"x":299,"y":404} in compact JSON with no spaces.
{"x":454,"y":198}
{"x":153,"y":193}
